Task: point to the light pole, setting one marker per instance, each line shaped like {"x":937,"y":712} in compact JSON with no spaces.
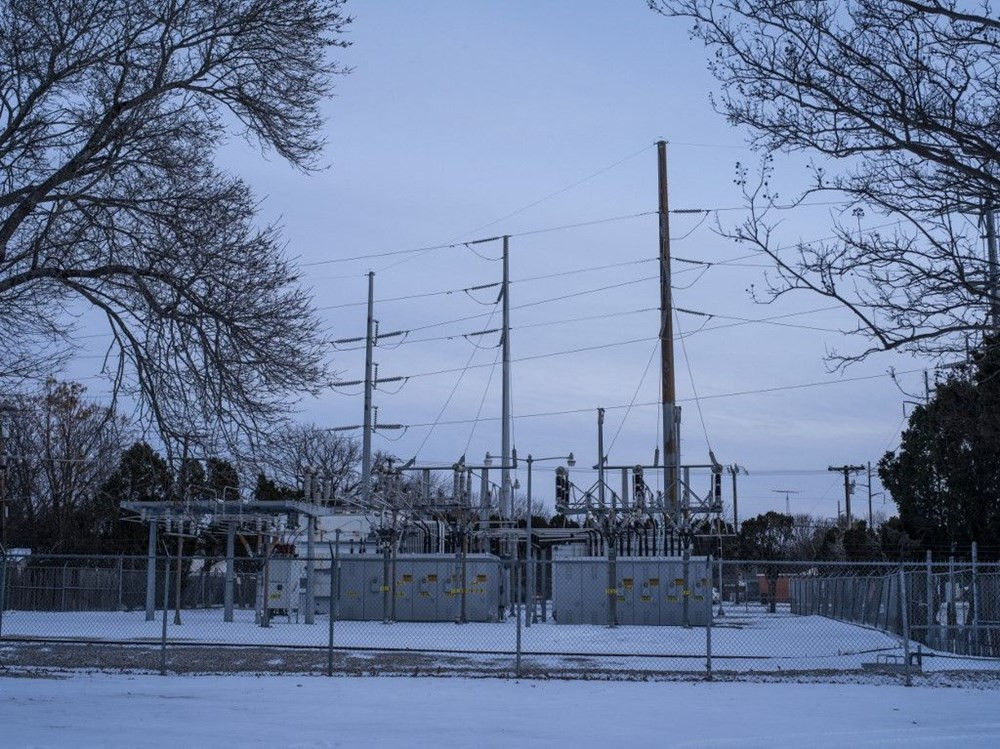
{"x":570,"y":461}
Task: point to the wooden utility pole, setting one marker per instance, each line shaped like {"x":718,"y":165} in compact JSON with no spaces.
{"x":671,"y":417}
{"x":847,"y":470}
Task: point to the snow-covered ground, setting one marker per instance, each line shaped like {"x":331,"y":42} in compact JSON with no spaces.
{"x":746,"y":639}
{"x":287,"y":711}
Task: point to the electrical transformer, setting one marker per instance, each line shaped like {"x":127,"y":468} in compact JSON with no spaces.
{"x":648,"y":590}
{"x":283,"y":581}
{"x":418,"y":588}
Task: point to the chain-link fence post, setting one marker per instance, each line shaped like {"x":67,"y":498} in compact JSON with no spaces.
{"x":708,"y":621}
{"x":3,"y":584}
{"x":975,"y":599}
{"x":151,"y":572}
{"x":517,"y":616}
{"x":951,"y":609}
{"x":931,"y":608}
{"x":722,"y":585}
{"x":546,"y":570}
{"x":334,"y":596}
{"x":905,"y":621}
{"x":166,"y":608}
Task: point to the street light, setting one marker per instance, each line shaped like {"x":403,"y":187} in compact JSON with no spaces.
{"x":570,"y":461}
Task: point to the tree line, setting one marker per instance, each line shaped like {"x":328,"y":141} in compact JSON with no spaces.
{"x":70,"y":461}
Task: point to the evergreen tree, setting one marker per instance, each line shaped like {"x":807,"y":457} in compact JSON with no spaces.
{"x":142,"y":476}
{"x":768,"y":538}
{"x":945,"y":476}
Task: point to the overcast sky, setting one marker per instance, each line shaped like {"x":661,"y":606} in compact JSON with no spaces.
{"x":463,"y":120}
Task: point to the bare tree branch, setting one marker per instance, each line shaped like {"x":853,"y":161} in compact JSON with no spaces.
{"x":110,"y":115}
{"x":899,"y":102}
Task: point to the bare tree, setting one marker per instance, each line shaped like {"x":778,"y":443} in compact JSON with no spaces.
{"x":335,"y":457}
{"x":62,"y":448}
{"x":110,"y":115}
{"x":898,"y":103}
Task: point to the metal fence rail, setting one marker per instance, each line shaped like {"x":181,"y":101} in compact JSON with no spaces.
{"x":365,"y":613}
{"x":110,"y":584}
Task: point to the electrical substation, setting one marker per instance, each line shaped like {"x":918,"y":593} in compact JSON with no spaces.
{"x":433,"y":543}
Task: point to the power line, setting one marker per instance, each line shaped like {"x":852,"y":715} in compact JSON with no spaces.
{"x":571,"y":295}
{"x":458,"y":381}
{"x":560,"y":191}
{"x":635,"y":395}
{"x":495,"y":284}
{"x":482,"y":401}
{"x":538,"y":356}
{"x":457,"y":244}
{"x":736,"y":394}
{"x":575,"y":271}
{"x":704,"y":328}
{"x":454,"y":244}
{"x":763,"y":320}
{"x":535,"y":303}
{"x":586,"y":318}
{"x":694,"y":390}
{"x":548,"y":323}
{"x":443,"y":292}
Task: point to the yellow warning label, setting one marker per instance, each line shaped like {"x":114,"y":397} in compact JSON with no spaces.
{"x":467,"y":591}
{"x":672,"y":598}
{"x":407,"y":578}
{"x":385,"y":589}
{"x":481,"y":578}
{"x":646,"y":599}
{"x":611,"y":591}
{"x":654,"y":582}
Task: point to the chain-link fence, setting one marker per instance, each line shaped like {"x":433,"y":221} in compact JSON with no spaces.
{"x":951,"y":608}
{"x":631,"y":617}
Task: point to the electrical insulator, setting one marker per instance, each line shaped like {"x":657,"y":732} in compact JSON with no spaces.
{"x":458,"y":482}
{"x":717,"y":490}
{"x":562,"y":490}
{"x":307,"y":483}
{"x":638,"y":485}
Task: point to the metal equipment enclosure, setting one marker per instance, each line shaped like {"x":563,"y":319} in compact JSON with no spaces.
{"x":421,"y":588}
{"x":284,"y":578}
{"x":649,"y":590}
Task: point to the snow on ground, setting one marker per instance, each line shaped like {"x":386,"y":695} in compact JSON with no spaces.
{"x":746,"y":639}
{"x":286,"y":711}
